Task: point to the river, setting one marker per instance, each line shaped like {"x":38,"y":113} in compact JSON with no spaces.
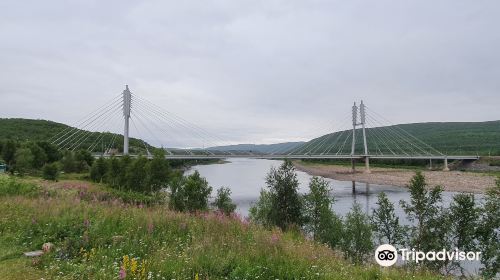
{"x":246,"y":177}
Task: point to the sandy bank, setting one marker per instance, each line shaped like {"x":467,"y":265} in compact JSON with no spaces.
{"x":457,"y":181}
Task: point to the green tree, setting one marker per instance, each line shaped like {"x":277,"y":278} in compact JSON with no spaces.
{"x":83,"y":160}
{"x":190,"y":193}
{"x":125,"y":163}
{"x":425,"y":210}
{"x":320,"y":220}
{"x":39,"y":155}
{"x":50,"y":171}
{"x":51,"y":150}
{"x":386,"y":224}
{"x":488,"y":233}
{"x":286,"y":203}
{"x":113,"y":173}
{"x":463,"y":217}
{"x":23,"y":160}
{"x":223,"y":201}
{"x":357,"y":235}
{"x":260,"y":211}
{"x":98,"y":170}
{"x":158,"y":171}
{"x":9,"y":151}
{"x":137,"y":175}
{"x":68,"y":162}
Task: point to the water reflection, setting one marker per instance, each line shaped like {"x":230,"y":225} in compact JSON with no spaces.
{"x":246,"y":177}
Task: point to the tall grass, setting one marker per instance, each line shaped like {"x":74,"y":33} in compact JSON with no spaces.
{"x":109,"y":239}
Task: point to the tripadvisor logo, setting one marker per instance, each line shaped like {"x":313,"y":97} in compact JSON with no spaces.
{"x":387,"y":255}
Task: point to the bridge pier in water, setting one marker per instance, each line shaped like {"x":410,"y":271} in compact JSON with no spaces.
{"x":367,"y":165}
{"x":446,"y":164}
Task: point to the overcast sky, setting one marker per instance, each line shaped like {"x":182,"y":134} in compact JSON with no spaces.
{"x":253,"y":71}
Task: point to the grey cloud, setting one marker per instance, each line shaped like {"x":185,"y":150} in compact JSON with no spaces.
{"x":254,"y":71}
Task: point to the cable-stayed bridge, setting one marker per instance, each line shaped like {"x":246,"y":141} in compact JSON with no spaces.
{"x":363,"y":135}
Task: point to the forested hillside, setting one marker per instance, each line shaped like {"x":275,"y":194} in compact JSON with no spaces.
{"x":450,"y":138}
{"x":43,"y":130}
{"x":481,"y":138}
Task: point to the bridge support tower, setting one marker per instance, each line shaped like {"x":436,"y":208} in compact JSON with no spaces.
{"x":362,"y":115}
{"x":127,"y":104}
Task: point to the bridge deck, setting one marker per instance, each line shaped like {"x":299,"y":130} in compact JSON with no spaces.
{"x":224,"y":156}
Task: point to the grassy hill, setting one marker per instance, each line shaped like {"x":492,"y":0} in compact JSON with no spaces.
{"x":450,"y":138}
{"x":43,"y":130}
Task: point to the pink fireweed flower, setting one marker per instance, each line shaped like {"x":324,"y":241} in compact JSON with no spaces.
{"x":123,"y":273}
{"x":275,"y":238}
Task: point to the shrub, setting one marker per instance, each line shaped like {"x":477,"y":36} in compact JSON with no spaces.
{"x":190,"y":193}
{"x":259,"y":211}
{"x":463,"y":216}
{"x":286,"y":203}
{"x":9,"y":186}
{"x":50,"y":171}
{"x":431,"y":223}
{"x":386,"y":224}
{"x":24,"y":160}
{"x":488,"y":233}
{"x":223,"y":201}
{"x":320,"y":220}
{"x":357,"y":235}
{"x":98,"y":170}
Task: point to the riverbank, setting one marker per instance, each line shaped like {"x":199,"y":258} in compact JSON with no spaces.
{"x":455,"y":181}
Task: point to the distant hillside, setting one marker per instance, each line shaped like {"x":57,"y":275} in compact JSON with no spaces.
{"x":43,"y":130}
{"x":254,"y":148}
{"x":450,"y":138}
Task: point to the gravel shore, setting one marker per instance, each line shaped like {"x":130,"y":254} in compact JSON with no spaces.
{"x":456,"y":181}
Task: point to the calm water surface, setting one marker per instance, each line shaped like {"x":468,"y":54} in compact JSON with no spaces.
{"x":246,"y":177}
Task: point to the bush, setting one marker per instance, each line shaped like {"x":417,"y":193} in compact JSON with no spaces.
{"x":286,"y":203}
{"x":98,"y":170}
{"x":50,"y":171}
{"x":259,"y":211}
{"x":9,"y":186}
{"x":386,"y":224}
{"x":320,"y":220}
{"x":488,"y":233}
{"x":190,"y":193}
{"x":223,"y":201}
{"x":431,"y":229}
{"x":357,"y":235}
{"x":24,"y":160}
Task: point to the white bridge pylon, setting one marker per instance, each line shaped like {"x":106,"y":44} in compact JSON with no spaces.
{"x":362,"y":115}
{"x":370,"y":136}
